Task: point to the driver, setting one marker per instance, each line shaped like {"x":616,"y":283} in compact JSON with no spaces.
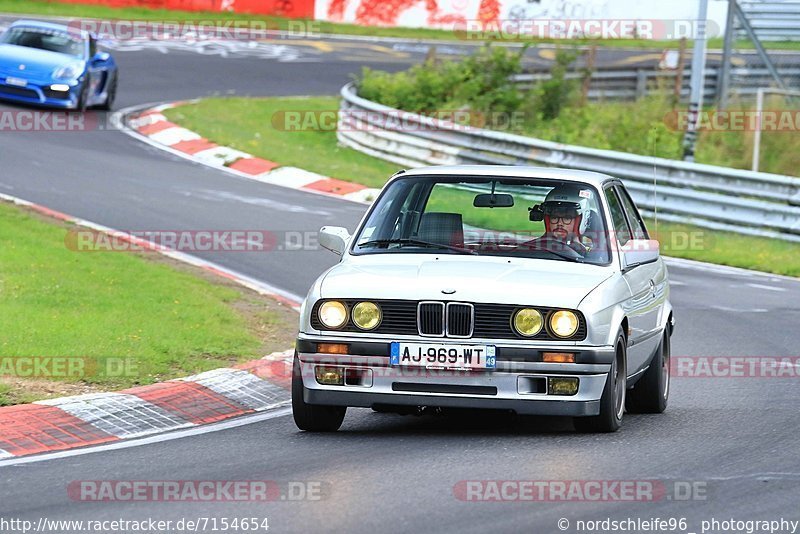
{"x":563,"y":210}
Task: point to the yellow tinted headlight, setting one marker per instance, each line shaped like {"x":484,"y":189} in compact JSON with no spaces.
{"x":366,"y":315}
{"x":333,"y":314}
{"x":528,"y":322}
{"x":564,"y":323}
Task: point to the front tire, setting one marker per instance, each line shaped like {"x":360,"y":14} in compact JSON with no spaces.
{"x":651,"y":393}
{"x":111,"y":94}
{"x":312,"y":417}
{"x":81,"y":106}
{"x":612,"y":403}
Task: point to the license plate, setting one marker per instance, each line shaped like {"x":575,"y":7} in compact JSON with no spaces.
{"x":441,"y":356}
{"x":19,"y":82}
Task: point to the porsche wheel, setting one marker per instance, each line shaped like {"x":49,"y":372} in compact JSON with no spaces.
{"x":111,"y":94}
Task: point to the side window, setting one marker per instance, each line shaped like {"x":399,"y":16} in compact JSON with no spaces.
{"x":92,"y":47}
{"x":637,"y":225}
{"x":621,"y":229}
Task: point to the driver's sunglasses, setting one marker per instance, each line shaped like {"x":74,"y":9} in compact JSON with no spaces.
{"x":563,"y":220}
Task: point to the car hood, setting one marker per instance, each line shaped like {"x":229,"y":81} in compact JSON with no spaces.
{"x":37,"y":62}
{"x":495,"y":280}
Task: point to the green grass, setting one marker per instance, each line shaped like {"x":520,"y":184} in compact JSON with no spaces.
{"x":164,"y":321}
{"x":724,"y":248}
{"x":53,"y":8}
{"x":246,"y":124}
{"x":645,"y":127}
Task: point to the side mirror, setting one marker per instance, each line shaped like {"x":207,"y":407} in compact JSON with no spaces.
{"x":100,"y":58}
{"x":334,"y":238}
{"x":639,"y":251}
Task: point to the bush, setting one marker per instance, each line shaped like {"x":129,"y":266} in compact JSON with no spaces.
{"x":480,"y":83}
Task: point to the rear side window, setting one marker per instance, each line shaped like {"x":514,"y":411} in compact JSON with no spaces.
{"x":637,"y":225}
{"x":621,"y":229}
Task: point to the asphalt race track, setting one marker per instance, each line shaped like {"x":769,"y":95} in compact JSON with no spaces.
{"x":735,"y":439}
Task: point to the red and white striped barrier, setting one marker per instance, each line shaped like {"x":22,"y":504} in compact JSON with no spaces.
{"x":154,"y":126}
{"x":210,"y":397}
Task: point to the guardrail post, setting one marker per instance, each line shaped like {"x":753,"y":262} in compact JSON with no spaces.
{"x":641,"y":83}
{"x":723,"y":81}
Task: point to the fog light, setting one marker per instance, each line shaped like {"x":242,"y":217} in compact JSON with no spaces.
{"x":59,"y":87}
{"x":558,"y":357}
{"x":332,"y":348}
{"x":329,"y":376}
{"x":562,"y":386}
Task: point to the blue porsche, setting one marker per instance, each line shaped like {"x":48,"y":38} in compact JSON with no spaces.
{"x":56,"y":66}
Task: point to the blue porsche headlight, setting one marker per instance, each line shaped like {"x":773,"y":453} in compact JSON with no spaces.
{"x":68,"y":72}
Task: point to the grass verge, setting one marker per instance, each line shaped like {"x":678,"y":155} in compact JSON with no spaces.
{"x":54,"y":8}
{"x":246,"y":124}
{"x":127,"y":318}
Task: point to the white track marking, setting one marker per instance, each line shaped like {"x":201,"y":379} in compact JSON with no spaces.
{"x":724,"y":269}
{"x":280,"y":411}
{"x":739,"y":310}
{"x":768,"y":288}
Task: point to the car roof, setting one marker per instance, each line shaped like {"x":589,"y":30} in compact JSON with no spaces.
{"x":49,"y":26}
{"x":511,"y":171}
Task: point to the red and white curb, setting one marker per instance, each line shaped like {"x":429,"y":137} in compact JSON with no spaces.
{"x":153,"y":127}
{"x":210,"y":397}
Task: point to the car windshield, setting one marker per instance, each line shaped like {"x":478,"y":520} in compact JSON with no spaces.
{"x":488,"y":216}
{"x":53,"y":41}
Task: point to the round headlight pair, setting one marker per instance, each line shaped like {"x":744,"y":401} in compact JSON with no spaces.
{"x":528,"y":322}
{"x":334,"y":314}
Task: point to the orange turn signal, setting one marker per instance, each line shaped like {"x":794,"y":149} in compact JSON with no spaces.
{"x":332,"y":348}
{"x":558,"y":357}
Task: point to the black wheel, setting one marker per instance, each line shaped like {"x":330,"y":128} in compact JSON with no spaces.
{"x":82,"y":98}
{"x":612,"y":403}
{"x":651,"y":393}
{"x":312,"y":417}
{"x":111,"y":94}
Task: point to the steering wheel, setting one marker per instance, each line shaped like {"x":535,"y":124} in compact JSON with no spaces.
{"x":548,"y":243}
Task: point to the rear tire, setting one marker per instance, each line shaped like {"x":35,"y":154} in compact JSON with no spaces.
{"x":651,"y":393}
{"x":312,"y":417}
{"x":612,"y":403}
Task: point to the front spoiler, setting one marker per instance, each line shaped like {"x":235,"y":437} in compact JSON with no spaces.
{"x":521,"y":407}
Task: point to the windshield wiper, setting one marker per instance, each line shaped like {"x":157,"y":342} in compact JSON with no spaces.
{"x":567,"y":257}
{"x":418,"y":242}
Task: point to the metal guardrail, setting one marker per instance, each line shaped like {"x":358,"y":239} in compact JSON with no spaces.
{"x":632,"y":84}
{"x":773,"y":20}
{"x":734,"y":200}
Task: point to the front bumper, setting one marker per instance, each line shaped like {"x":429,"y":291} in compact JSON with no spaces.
{"x":40,"y":94}
{"x":518,"y":384}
